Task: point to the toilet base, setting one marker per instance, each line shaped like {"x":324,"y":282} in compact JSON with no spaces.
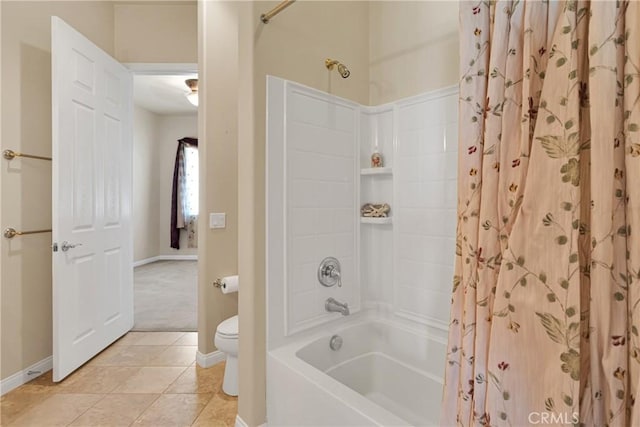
{"x":230,"y":382}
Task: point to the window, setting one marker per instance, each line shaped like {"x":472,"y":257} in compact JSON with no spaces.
{"x":191,"y":200}
{"x":184,"y":194}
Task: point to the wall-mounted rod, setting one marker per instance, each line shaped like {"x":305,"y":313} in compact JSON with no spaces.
{"x":266,"y":17}
{"x":10,"y":155}
{"x":10,"y":233}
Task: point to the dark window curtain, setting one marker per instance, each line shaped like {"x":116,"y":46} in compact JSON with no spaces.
{"x":178,"y":176}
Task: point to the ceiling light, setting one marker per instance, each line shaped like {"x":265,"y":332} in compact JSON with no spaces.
{"x":192,"y":96}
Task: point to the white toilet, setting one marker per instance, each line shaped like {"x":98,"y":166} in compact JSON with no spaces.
{"x":226,"y":340}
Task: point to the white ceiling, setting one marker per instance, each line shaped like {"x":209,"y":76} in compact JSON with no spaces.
{"x":163,"y":94}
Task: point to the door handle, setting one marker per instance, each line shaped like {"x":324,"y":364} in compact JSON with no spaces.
{"x":66,"y":246}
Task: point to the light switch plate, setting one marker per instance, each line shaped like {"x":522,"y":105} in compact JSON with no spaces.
{"x":217,"y":220}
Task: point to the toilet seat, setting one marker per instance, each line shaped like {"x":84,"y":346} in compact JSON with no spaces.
{"x":228,"y":328}
{"x":226,"y":340}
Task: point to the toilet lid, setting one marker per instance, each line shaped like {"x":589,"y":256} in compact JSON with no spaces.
{"x":229,"y":327}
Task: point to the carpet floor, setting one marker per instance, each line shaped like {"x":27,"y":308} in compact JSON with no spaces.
{"x":165,"y":296}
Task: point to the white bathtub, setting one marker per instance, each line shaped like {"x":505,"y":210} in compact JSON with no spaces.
{"x":384,"y":374}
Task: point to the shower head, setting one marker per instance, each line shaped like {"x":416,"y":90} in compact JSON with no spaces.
{"x":342,"y":69}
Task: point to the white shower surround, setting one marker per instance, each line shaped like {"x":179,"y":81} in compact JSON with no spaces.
{"x":398,"y":275}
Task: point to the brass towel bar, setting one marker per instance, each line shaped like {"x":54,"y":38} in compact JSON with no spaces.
{"x":10,"y":155}
{"x":266,"y":17}
{"x":10,"y":233}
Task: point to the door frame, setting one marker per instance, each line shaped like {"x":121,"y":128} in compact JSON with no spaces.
{"x":161,"y":68}
{"x":158,"y":69}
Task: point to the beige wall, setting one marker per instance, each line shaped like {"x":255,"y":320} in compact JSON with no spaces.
{"x":26,"y":184}
{"x":154,"y":153}
{"x":413,"y":48}
{"x":146,"y":185}
{"x":166,"y":35}
{"x":156,"y":31}
{"x":251,"y":304}
{"x":217,"y":149}
{"x":295,"y":44}
{"x":171,"y":129}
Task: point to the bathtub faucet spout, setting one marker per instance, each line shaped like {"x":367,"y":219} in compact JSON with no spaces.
{"x":333,"y":306}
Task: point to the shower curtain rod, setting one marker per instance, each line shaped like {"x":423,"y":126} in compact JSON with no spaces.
{"x":266,"y":17}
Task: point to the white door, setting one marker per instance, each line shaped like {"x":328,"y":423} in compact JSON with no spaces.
{"x":92,"y":162}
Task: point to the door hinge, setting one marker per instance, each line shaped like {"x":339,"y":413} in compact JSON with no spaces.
{"x":54,"y":247}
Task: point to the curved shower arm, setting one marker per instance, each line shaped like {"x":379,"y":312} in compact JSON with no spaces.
{"x":342,"y":69}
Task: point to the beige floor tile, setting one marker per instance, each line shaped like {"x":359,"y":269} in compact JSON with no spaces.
{"x":97,"y":379}
{"x":116,"y":410}
{"x":125,"y":355}
{"x":220,"y":412}
{"x":105,"y":354}
{"x":189,"y":338}
{"x":17,"y":402}
{"x":199,"y":380}
{"x":150,"y":380}
{"x":159,"y":338}
{"x":173,"y":410}
{"x":57,"y":410}
{"x":43,"y":402}
{"x":45,"y":380}
{"x":182,"y":355}
{"x":131,"y":338}
{"x":42,"y":384}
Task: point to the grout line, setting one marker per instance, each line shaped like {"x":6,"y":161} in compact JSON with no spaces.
{"x":177,"y":339}
{"x":184,"y":369}
{"x":87,"y":410}
{"x":28,"y":407}
{"x":203,"y":408}
{"x":57,"y":390}
{"x":145,"y":409}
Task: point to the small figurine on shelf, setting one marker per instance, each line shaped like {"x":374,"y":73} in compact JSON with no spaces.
{"x":376,"y":160}
{"x":371,"y":210}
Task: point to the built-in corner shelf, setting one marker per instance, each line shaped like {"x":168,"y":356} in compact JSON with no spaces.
{"x":376,"y":171}
{"x":379,"y":221}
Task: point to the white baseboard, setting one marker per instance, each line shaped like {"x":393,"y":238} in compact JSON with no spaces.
{"x":210,"y":359}
{"x":240,"y":423}
{"x":165,"y":258}
{"x":26,"y":375}
{"x":177,"y":257}
{"x":146,"y":261}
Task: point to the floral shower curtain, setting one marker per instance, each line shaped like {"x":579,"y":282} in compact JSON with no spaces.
{"x":546,"y":300}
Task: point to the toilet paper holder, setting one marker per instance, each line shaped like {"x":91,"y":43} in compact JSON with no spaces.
{"x":227,"y":284}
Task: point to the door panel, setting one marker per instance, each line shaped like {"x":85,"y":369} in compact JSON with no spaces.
{"x":83,"y":180}
{"x":92,"y":162}
{"x":112,"y":172}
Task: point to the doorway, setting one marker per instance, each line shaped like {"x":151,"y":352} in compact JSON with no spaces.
{"x":165,"y":266}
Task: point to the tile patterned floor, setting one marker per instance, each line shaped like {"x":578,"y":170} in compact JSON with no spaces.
{"x":143,"y":379}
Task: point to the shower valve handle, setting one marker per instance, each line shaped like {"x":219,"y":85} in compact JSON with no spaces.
{"x":329,"y":272}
